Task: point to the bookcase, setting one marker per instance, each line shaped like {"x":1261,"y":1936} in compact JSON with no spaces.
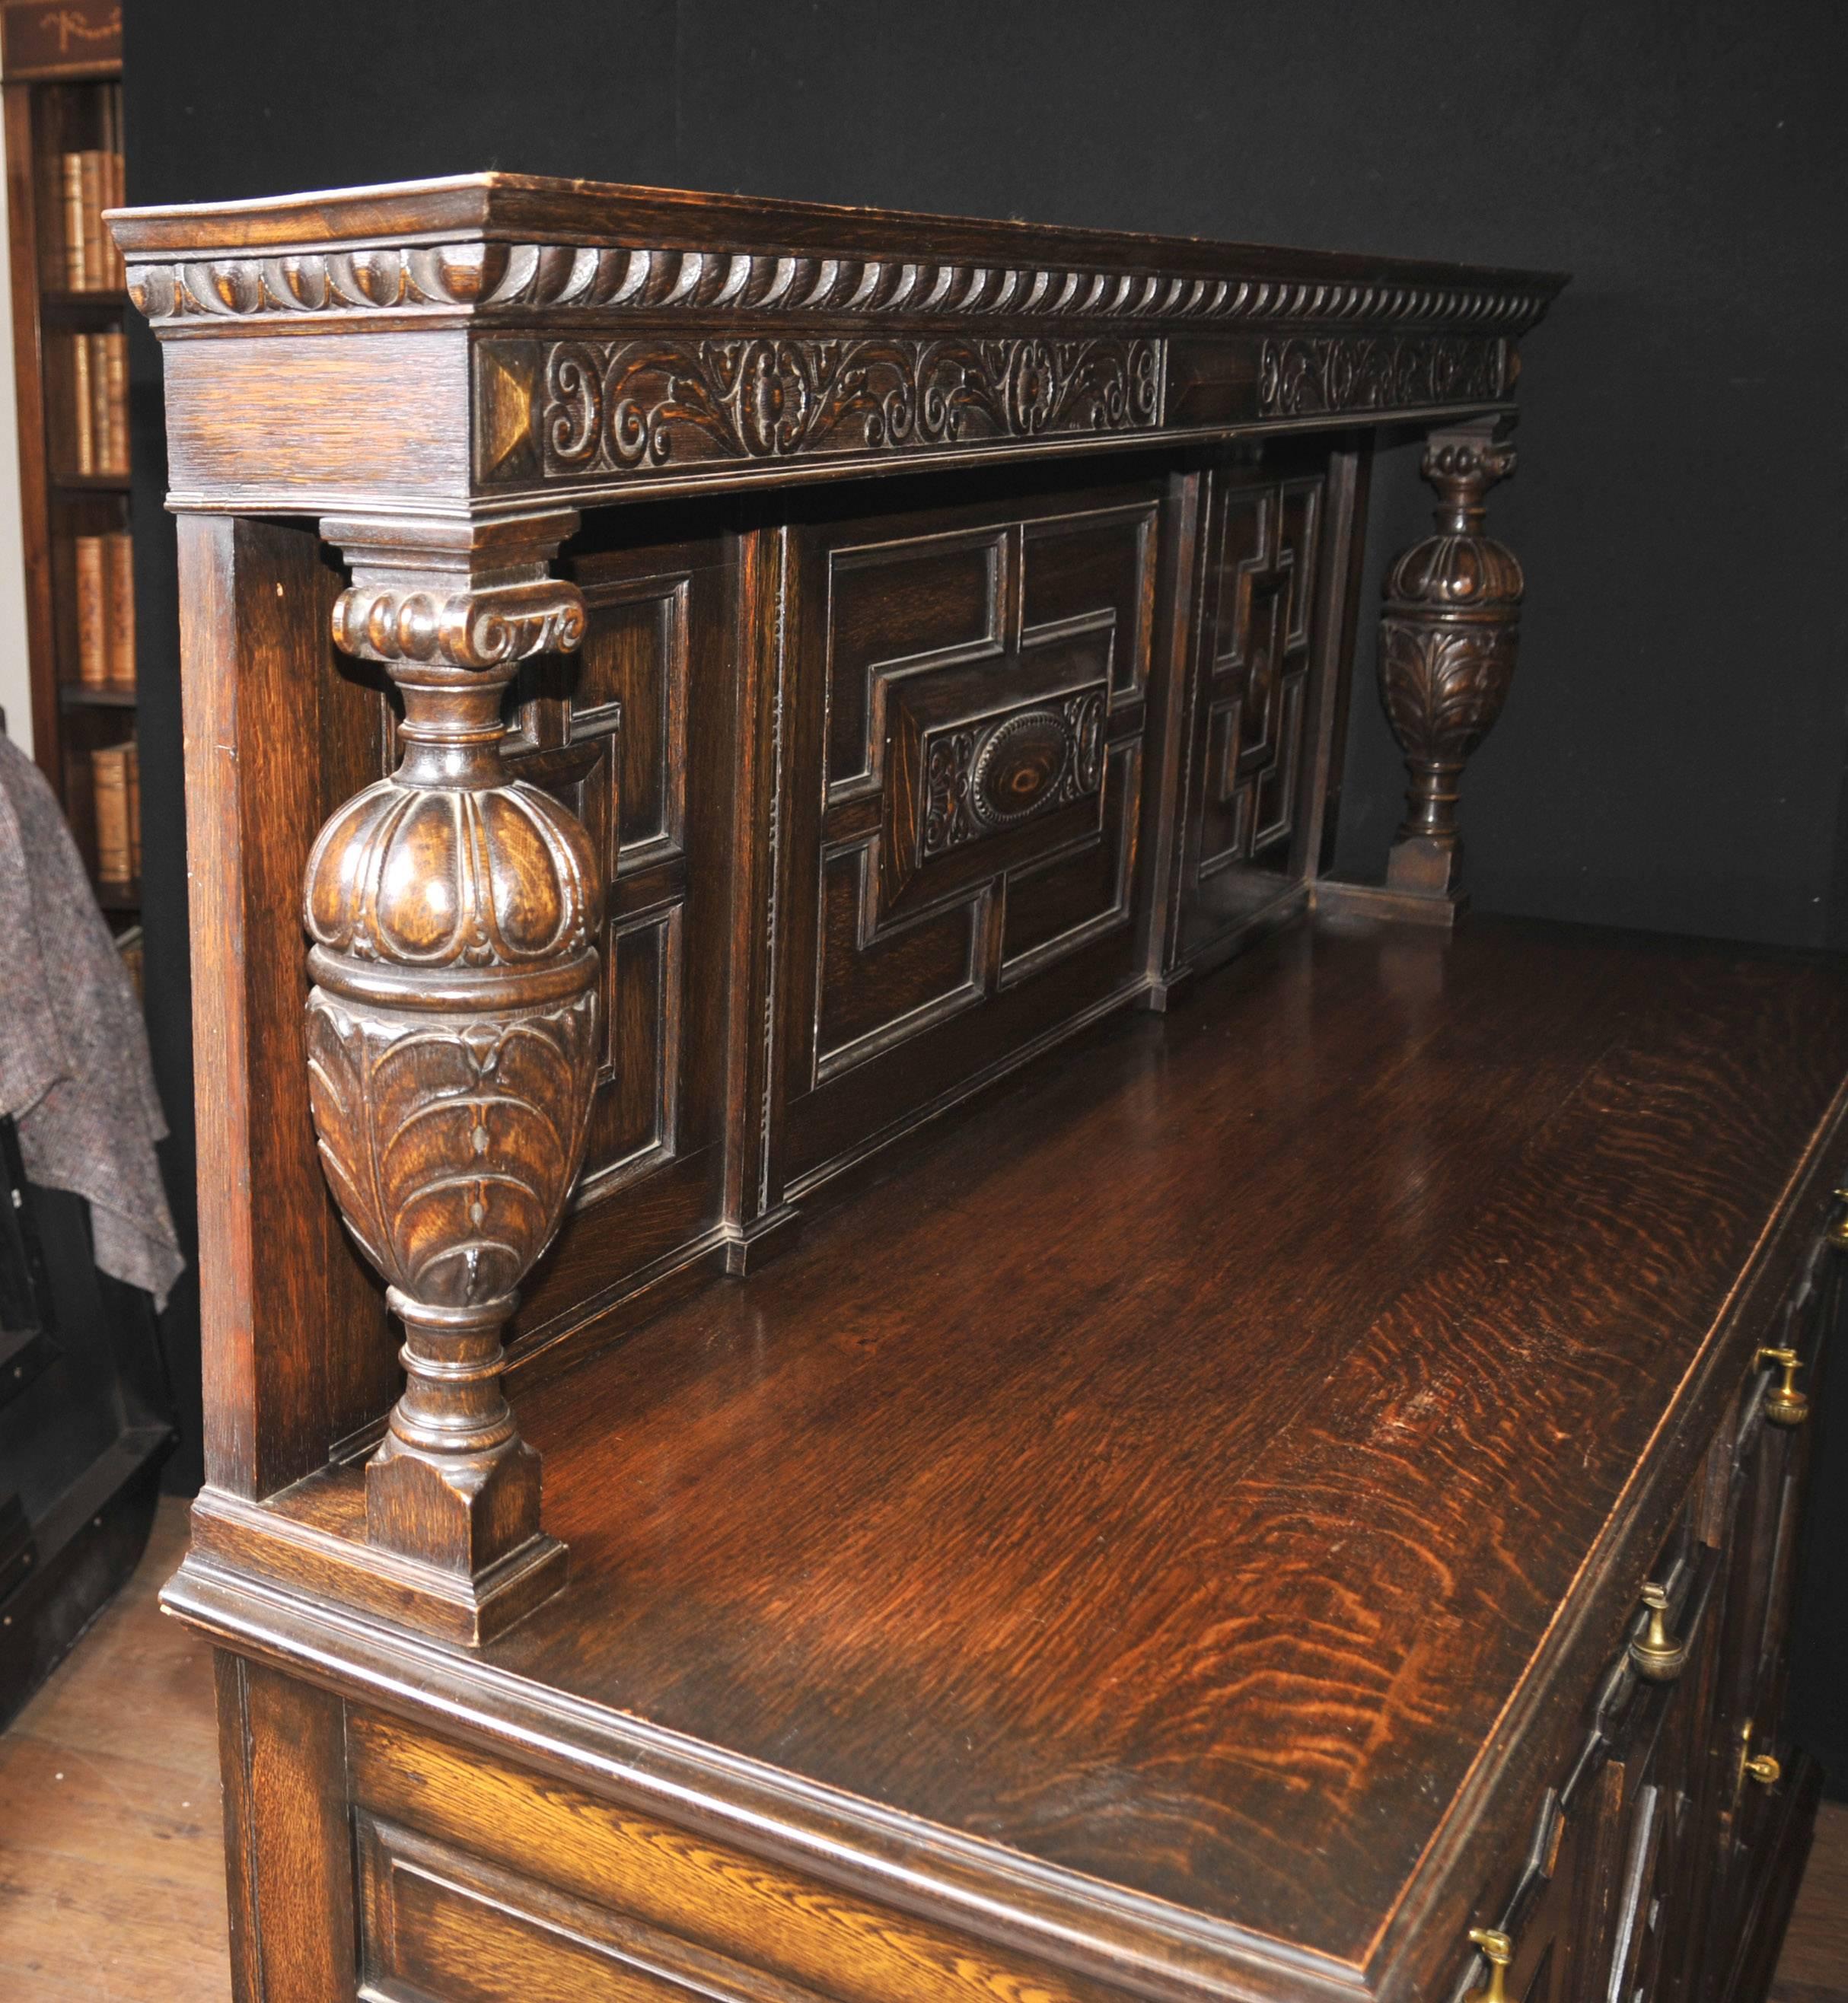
{"x":61,"y":79}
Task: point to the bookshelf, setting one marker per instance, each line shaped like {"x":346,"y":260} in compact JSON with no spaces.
{"x":60,"y":82}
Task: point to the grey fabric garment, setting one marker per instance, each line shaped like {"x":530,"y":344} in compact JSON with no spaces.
{"x":74,"y":1068}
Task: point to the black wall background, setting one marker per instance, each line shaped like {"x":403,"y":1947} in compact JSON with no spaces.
{"x":1672,"y":755}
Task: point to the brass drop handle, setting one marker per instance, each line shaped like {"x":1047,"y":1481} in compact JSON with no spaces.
{"x":1498,"y":1951}
{"x":1764,"y":1769}
{"x":1655,"y":1654}
{"x":1784,"y":1404}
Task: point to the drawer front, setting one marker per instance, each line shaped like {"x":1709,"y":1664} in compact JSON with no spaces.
{"x":1649,"y":1866}
{"x":966,"y":723}
{"x":480,"y":1883}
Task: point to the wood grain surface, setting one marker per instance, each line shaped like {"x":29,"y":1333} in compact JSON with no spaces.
{"x":1083,"y":1490}
{"x":112,"y":1869}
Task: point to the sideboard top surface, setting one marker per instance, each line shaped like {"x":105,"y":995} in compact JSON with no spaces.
{"x":1172,"y":1475}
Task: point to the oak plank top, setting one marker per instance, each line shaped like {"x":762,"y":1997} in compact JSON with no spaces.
{"x":1168,"y":1470}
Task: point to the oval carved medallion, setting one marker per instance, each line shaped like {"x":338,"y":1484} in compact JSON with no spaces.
{"x":1018,"y":767}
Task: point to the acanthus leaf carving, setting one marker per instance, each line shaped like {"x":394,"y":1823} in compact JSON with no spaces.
{"x":453,"y":1034}
{"x":626,"y":405}
{"x":1447,"y":644}
{"x":1313,"y":374}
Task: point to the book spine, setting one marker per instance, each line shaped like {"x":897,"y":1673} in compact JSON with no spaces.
{"x":72,"y":174}
{"x":83,"y":409}
{"x":118,"y":198}
{"x":90,"y":178}
{"x":120,"y":555}
{"x":109,"y":778}
{"x":133,"y":762}
{"x":114,"y":350}
{"x":93,"y":617}
{"x":99,"y":423}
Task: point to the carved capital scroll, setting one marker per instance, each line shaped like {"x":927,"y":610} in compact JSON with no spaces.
{"x":452,"y":1038}
{"x":1448,"y":640}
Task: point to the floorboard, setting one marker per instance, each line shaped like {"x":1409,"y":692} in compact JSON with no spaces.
{"x":111,"y":1842}
{"x":111,"y":1838}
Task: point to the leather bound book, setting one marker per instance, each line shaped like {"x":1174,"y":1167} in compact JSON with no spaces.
{"x":119,"y":564}
{"x":112,"y":353}
{"x":90,"y":194}
{"x":109,"y":774}
{"x":131,"y":763}
{"x":83,"y":414}
{"x":102,"y":427}
{"x":71,"y":179}
{"x":92,"y":610}
{"x":118,"y":195}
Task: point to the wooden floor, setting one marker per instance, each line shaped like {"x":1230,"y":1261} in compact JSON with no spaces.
{"x":111,"y":1861}
{"x":111,"y":1835}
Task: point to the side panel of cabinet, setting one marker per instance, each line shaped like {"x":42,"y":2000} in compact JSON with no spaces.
{"x":638,"y":733}
{"x":1266,"y":703}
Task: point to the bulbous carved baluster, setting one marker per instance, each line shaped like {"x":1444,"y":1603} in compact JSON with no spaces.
{"x":453,"y":1045}
{"x":1446,"y":655}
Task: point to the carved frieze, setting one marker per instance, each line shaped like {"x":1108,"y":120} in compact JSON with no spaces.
{"x":1306,"y":376}
{"x":640,"y":406}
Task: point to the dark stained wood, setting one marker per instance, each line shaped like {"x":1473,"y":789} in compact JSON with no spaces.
{"x":1188,"y":1522}
{"x":1279,"y":1524}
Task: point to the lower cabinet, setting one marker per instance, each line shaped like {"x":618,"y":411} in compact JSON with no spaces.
{"x":1662,"y":1867}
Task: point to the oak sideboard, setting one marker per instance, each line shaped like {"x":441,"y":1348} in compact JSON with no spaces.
{"x":866,"y":1339}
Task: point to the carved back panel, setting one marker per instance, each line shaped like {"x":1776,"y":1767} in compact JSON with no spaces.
{"x":1256,"y":717}
{"x":963,"y":766}
{"x":609,"y":731}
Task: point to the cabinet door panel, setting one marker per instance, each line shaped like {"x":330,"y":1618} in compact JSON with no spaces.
{"x":1258,"y":693}
{"x":966,"y":703}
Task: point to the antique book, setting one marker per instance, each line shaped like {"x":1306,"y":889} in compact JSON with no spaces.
{"x":108,"y":777}
{"x":90,"y":187}
{"x":84,"y":441}
{"x":76,"y":272}
{"x":133,"y":764}
{"x":92,"y":570}
{"x":112,"y":353}
{"x":119,"y":565}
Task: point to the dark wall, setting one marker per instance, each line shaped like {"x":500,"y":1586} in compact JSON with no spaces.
{"x":1672,"y":755}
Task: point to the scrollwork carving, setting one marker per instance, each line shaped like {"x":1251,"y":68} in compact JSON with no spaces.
{"x":1313,"y":374}
{"x":469,"y":629}
{"x":982,"y":778}
{"x":615,"y":407}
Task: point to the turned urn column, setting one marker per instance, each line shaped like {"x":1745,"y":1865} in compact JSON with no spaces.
{"x":453,"y":1038}
{"x":1448,"y":640}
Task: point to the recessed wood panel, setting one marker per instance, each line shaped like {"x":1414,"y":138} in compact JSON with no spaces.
{"x":963,"y":772}
{"x":1257,"y":687}
{"x":630,"y":1908}
{"x":638,"y":733}
{"x":900,"y":602}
